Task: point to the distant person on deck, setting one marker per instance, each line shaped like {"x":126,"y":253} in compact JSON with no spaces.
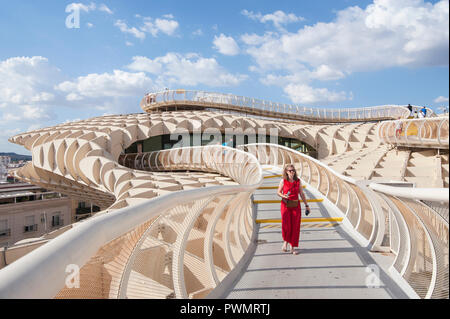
{"x":420,"y":114}
{"x":411,"y":113}
{"x":423,"y":111}
{"x":398,"y":128}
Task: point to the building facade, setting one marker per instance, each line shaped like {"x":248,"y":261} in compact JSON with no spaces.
{"x":27,"y":212}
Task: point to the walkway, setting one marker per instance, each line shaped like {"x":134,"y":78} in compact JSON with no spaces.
{"x":330,"y":264}
{"x":193,"y":100}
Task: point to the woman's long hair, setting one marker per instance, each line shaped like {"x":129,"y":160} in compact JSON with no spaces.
{"x":285,"y":174}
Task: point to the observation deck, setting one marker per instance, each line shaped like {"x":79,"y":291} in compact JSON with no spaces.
{"x":199,"y":100}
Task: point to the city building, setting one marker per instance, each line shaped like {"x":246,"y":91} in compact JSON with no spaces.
{"x":4,"y":163}
{"x":28,"y":212}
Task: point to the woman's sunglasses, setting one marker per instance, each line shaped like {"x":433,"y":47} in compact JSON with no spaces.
{"x":290,"y":170}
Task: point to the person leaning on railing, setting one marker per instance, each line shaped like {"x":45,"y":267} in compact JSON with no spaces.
{"x":411,"y":112}
{"x":289,"y":189}
{"x":423,"y":111}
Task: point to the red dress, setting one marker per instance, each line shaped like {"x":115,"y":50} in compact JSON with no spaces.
{"x":291,"y":216}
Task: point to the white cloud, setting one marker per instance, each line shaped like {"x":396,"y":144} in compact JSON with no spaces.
{"x":34,"y":112}
{"x":151,"y":26}
{"x":325,"y":73}
{"x":11,"y":117}
{"x":188,"y":69}
{"x":116,"y":84}
{"x":133,"y":31}
{"x":104,"y":8}
{"x":73,"y":97}
{"x":166,"y":26}
{"x":9,"y":132}
{"x":226,"y":45}
{"x":441,"y":99}
{"x":387,"y":33}
{"x":254,"y":39}
{"x":27,"y":113}
{"x":198,"y":32}
{"x":26,"y":80}
{"x":141,"y":63}
{"x":306,"y":94}
{"x":154,"y":26}
{"x":278,"y":18}
{"x":26,"y":92}
{"x":88,"y":7}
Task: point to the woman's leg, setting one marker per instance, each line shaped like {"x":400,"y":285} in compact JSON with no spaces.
{"x":295,"y":230}
{"x":285,"y":227}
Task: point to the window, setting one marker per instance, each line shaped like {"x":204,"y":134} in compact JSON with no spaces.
{"x":4,"y":231}
{"x":57,"y":220}
{"x":29,"y":224}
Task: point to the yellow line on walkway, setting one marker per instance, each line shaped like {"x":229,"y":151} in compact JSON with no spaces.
{"x":273,"y":187}
{"x":304,"y":226}
{"x":273,"y":176}
{"x":304,"y":220}
{"x":274,"y":201}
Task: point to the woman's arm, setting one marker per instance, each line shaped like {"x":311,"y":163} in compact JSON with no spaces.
{"x":302,"y":195}
{"x":280,"y":190}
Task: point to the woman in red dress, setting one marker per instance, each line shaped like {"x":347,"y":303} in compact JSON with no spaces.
{"x":289,"y":189}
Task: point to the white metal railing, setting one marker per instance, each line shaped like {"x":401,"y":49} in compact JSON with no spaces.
{"x":257,"y":106}
{"x":353,"y":199}
{"x":42,"y":273}
{"x":422,"y":235}
{"x":385,"y":216}
{"x":422,"y":132}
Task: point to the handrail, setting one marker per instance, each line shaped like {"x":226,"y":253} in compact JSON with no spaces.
{"x":421,"y":132}
{"x":427,"y":194}
{"x":422,"y":237}
{"x":153,"y":101}
{"x":42,"y":273}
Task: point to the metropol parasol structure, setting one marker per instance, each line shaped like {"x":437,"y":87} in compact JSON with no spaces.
{"x":176,"y":187}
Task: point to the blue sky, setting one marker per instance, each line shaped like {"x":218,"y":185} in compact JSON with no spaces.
{"x":339,"y":53}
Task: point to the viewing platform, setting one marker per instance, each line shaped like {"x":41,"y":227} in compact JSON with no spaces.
{"x":173,"y":100}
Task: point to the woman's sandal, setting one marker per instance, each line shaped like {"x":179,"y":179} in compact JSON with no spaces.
{"x":284,"y":248}
{"x":294,"y":252}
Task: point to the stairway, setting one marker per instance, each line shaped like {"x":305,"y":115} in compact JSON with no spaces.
{"x":391,"y":166}
{"x":421,"y":169}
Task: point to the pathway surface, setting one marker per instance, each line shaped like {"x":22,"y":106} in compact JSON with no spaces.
{"x":330,"y":264}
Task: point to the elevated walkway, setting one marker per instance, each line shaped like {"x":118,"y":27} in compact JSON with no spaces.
{"x":331,"y":263}
{"x":173,"y":100}
{"x":420,"y":133}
